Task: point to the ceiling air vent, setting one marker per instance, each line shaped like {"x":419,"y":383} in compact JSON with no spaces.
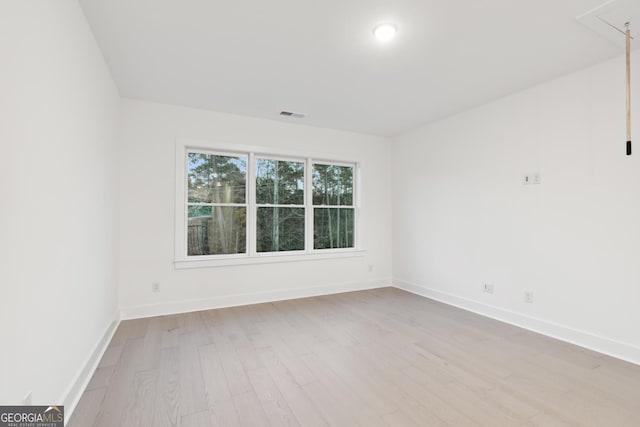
{"x":291,"y":114}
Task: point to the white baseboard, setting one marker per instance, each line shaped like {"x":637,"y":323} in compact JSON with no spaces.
{"x":186,"y":306}
{"x":600,"y":344}
{"x":74,"y":392}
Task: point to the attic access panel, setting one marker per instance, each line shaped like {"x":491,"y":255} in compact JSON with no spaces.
{"x":609,"y":21}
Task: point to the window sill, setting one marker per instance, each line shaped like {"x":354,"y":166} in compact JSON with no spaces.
{"x":271,"y":258}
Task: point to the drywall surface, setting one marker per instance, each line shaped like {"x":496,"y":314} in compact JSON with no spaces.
{"x":58,"y":189}
{"x":147,"y":208}
{"x":462,"y":216}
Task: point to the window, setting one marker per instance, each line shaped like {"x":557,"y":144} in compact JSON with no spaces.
{"x":216,"y":204}
{"x":234,"y":205}
{"x":280,"y":205}
{"x":333,"y":209}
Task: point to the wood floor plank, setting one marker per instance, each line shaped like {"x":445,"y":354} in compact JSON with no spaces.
{"x":224,"y":414}
{"x":305,"y":411}
{"x":378,"y":357}
{"x":198,"y":419}
{"x":213,"y":375}
{"x":130,"y":330}
{"x":88,"y":408}
{"x":546,"y":420}
{"x":420,"y":405}
{"x":337,"y":413}
{"x":168,"y":398}
{"x":111,"y":355}
{"x":192,"y":390}
{"x":275,"y":406}
{"x":101,"y":378}
{"x":167,"y":328}
{"x":190,"y":322}
{"x":122,"y":385}
{"x":236,"y":377}
{"x":398,"y":419}
{"x":358,"y":381}
{"x":341,"y":391}
{"x":141,"y":405}
{"x":250,"y":411}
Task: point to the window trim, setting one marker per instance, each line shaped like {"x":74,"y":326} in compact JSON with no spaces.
{"x":353,"y":204}
{"x":257,"y":205}
{"x":245,"y":205}
{"x":182,"y":260}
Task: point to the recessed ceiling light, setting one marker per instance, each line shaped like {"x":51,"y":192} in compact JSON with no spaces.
{"x":385,"y":32}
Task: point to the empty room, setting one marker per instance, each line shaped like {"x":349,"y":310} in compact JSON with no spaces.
{"x":320,"y":213}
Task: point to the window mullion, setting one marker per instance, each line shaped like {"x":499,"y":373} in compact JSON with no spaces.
{"x":252,"y":212}
{"x":355,"y":204}
{"x":185,"y":208}
{"x":280,"y":205}
{"x":308,"y":197}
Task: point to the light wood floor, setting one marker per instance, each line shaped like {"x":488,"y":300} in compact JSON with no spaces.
{"x":380,"y":357}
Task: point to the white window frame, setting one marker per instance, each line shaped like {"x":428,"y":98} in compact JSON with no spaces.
{"x":313,"y":161}
{"x":245,"y":205}
{"x":182,"y":260}
{"x":257,"y":205}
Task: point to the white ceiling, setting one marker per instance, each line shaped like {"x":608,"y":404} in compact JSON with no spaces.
{"x":318,"y":57}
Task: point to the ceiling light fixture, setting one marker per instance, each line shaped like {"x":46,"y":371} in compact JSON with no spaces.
{"x":385,"y":32}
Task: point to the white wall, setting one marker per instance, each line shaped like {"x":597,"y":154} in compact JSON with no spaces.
{"x":58,"y":189}
{"x":147,"y":208}
{"x":463,"y":218}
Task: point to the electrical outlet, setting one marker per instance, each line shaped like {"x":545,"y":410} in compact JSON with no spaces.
{"x":26,"y":400}
{"x":535,"y":178}
{"x":531,"y":179}
{"x":488,"y":288}
{"x":370,"y":268}
{"x":155,"y":287}
{"x":528,"y":297}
